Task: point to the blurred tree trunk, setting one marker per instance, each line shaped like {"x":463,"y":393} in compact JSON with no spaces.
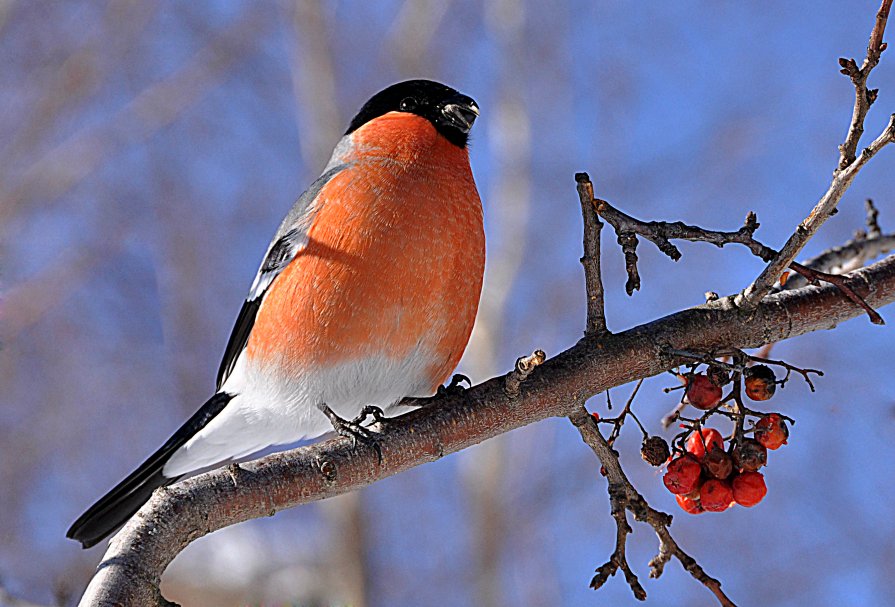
{"x":509,"y":209}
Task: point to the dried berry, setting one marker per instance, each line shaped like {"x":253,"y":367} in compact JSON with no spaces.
{"x":749,"y":488}
{"x":682,"y":475}
{"x":750,"y":455}
{"x":719,"y":376}
{"x":706,"y":439}
{"x":715,"y":495}
{"x":718,"y":463}
{"x":655,"y":451}
{"x":760,"y":382}
{"x":688,"y":504}
{"x":771,"y":431}
{"x":701,"y":392}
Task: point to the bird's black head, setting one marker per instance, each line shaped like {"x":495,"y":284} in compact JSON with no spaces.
{"x":451,"y":112}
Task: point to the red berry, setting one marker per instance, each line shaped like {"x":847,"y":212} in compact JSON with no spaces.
{"x":701,"y":392}
{"x":689,"y":504}
{"x":596,"y":415}
{"x":716,"y":495}
{"x":749,"y":488}
{"x":750,"y":455}
{"x":682,"y":475}
{"x":760,"y":382}
{"x":718,"y":464}
{"x":771,"y":431}
{"x":706,"y":439}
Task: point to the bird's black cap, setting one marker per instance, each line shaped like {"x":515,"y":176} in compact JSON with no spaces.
{"x":451,"y":112}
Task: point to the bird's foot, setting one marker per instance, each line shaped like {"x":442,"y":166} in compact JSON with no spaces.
{"x":455,"y":386}
{"x":353,"y":429}
{"x":370,"y":411}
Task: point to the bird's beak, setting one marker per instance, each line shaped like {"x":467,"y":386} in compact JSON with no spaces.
{"x":461,"y":112}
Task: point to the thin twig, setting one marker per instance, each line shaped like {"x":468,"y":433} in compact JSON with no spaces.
{"x":524,"y":366}
{"x":740,"y":359}
{"x":624,"y":497}
{"x":807,"y":228}
{"x":660,"y":233}
{"x":593,"y":282}
{"x":846,"y":171}
{"x":805,"y":373}
{"x":864,"y":97}
{"x":815,"y":277}
{"x":866,"y":245}
{"x":619,"y":421}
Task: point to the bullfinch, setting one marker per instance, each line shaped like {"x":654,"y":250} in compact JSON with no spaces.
{"x":367,"y":295}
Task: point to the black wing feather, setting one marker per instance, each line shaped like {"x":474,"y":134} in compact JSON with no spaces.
{"x":282,"y":252}
{"x":238,"y":339}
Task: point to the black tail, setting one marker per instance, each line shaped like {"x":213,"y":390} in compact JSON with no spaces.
{"x":119,"y":504}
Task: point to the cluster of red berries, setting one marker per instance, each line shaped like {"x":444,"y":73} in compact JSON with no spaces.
{"x":708,"y":478}
{"x":703,"y":391}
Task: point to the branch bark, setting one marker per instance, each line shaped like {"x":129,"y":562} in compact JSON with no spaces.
{"x":132,"y":567}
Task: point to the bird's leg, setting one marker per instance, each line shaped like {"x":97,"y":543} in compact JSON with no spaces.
{"x":353,"y":429}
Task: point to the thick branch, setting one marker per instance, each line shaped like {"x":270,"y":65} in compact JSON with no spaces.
{"x":174,"y":517}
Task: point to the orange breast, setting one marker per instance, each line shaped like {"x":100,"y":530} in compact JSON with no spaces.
{"x":394,"y":260}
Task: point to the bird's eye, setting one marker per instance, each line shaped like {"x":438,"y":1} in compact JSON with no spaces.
{"x":408,"y":104}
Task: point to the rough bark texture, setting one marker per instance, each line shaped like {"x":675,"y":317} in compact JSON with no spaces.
{"x":131,"y":569}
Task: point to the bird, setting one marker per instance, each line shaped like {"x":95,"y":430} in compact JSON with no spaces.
{"x":366,"y":296}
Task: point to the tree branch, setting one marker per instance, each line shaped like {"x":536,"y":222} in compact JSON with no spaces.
{"x":864,"y":98}
{"x":821,"y":212}
{"x":660,"y":233}
{"x":623,"y":497}
{"x":846,"y":171}
{"x":866,"y":245}
{"x":593,"y":281}
{"x":138,"y":555}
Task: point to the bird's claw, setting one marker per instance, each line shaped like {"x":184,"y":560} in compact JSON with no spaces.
{"x":354,"y":429}
{"x":370,"y":411}
{"x":455,"y":386}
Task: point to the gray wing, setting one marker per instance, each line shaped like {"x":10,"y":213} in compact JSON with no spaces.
{"x":290,"y":239}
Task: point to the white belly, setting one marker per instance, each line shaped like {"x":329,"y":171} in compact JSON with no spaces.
{"x":270,"y":408}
